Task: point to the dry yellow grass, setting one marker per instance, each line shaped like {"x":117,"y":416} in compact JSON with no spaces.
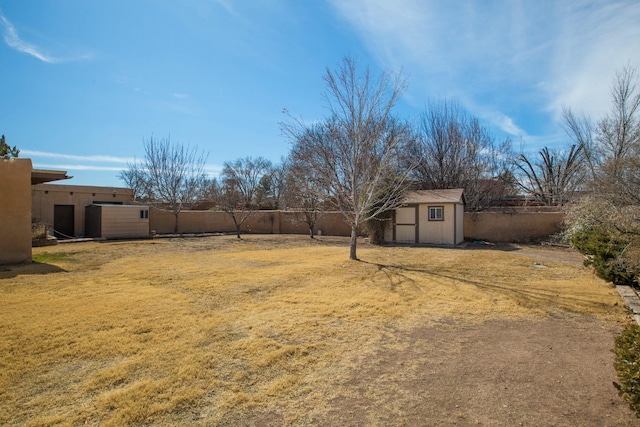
{"x":205,"y":331}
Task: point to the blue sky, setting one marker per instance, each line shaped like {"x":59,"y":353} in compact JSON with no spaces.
{"x":84,"y":82}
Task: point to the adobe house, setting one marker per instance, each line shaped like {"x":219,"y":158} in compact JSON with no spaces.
{"x":16,"y":177}
{"x":428,"y":217}
{"x":62,"y":207}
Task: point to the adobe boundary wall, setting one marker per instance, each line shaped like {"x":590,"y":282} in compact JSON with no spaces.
{"x":260,"y":222}
{"x":511,"y":227}
{"x":489,"y":226}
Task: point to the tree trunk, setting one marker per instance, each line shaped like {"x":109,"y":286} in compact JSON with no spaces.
{"x":235,"y":222}
{"x":354,"y":241}
{"x":311,"y":232}
{"x":175,"y":230}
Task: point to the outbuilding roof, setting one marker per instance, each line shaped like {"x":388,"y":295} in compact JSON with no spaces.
{"x":454,"y":195}
{"x":39,"y":176}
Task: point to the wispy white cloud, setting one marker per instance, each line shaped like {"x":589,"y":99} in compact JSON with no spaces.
{"x":13,"y":40}
{"x":504,"y":123}
{"x":595,"y":40}
{"x":502,"y":58}
{"x":91,"y":162}
{"x":180,"y":95}
{"x":72,"y":157}
{"x":77,"y":167}
{"x":213,"y":170}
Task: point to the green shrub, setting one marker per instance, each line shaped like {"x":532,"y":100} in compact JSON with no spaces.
{"x":627,"y":364}
{"x":603,"y":252}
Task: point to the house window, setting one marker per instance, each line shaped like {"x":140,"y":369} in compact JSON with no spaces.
{"x":144,"y":214}
{"x":436,"y":213}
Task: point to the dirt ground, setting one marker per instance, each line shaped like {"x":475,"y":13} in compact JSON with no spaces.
{"x":554,"y":372}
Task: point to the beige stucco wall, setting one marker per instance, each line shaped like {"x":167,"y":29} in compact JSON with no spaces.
{"x":269,"y":222}
{"x":45,"y":196}
{"x":15,"y":211}
{"x":122,"y":221}
{"x":491,"y":226}
{"x":511,"y":227}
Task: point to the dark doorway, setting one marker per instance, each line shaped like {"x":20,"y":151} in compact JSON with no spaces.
{"x":63,"y":224}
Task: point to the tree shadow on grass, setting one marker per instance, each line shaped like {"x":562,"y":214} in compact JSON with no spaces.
{"x":528,"y":296}
{"x":11,"y":271}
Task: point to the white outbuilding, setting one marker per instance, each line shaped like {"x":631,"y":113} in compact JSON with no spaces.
{"x":428,"y":217}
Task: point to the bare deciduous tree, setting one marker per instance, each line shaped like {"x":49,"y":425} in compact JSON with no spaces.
{"x":580,"y":131}
{"x":304,"y":197}
{"x":356,"y":152}
{"x":612,"y":211}
{"x":273,"y":186}
{"x":135,"y":178}
{"x":619,"y":130}
{"x":240,"y":186}
{"x":455,"y":151}
{"x":170,"y":173}
{"x":555,"y":176}
{"x":612,"y":146}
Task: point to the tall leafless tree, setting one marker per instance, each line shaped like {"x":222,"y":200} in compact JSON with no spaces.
{"x":356,"y":152}
{"x":305,"y":199}
{"x":455,"y":151}
{"x":612,"y":145}
{"x":612,"y":208}
{"x":171,"y":173}
{"x":555,"y":176}
{"x":240,"y":186}
{"x":580,"y":130}
{"x":135,"y":178}
{"x":273,"y":186}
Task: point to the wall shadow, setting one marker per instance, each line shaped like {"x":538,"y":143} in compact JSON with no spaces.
{"x":11,"y":271}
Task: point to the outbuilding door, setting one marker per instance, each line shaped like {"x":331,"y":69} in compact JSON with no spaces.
{"x":63,"y":221}
{"x":405,"y":227}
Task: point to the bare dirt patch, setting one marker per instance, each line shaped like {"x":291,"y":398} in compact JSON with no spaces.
{"x":285,"y":330}
{"x":529,"y":373}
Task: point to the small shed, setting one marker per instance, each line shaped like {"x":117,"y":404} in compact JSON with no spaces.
{"x":116,"y":221}
{"x":428,"y":217}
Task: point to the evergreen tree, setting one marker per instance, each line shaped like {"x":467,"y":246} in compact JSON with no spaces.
{"x":6,"y":150}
